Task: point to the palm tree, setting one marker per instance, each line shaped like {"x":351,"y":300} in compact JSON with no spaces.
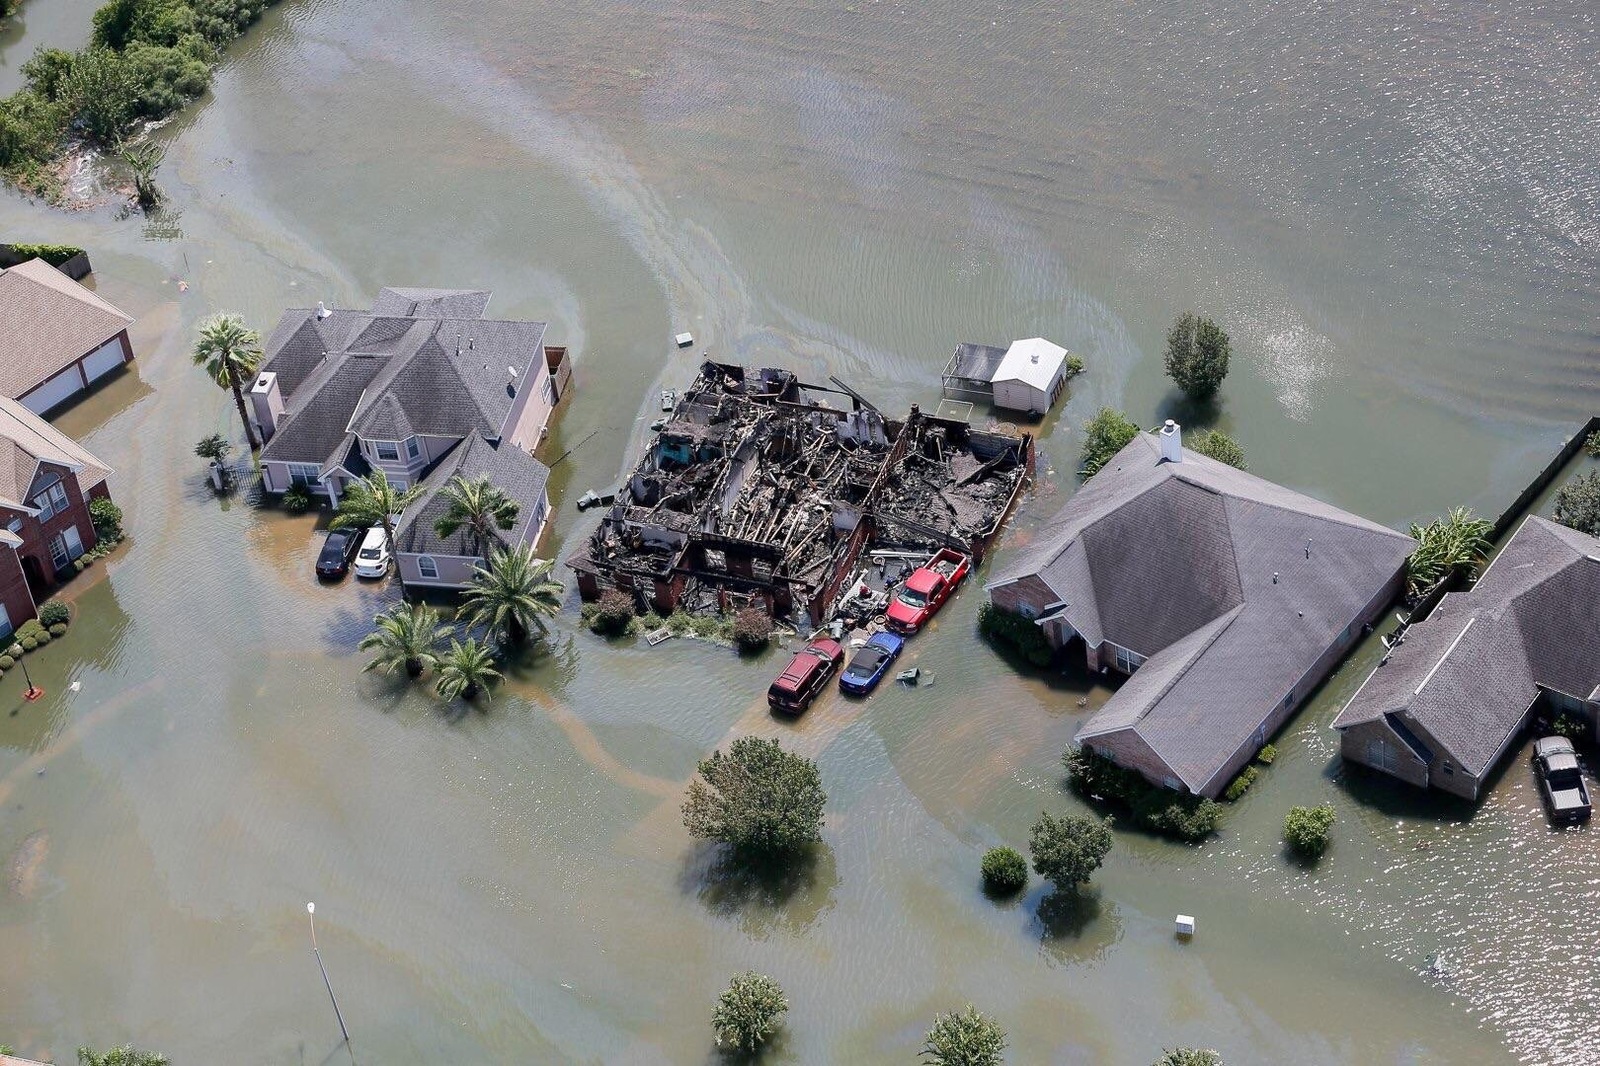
{"x":480,"y":507}
{"x":513,"y":595}
{"x":466,"y":670}
{"x":405,"y":637}
{"x":372,"y":501}
{"x":230,"y":352}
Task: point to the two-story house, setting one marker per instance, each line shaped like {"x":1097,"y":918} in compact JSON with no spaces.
{"x":46,"y":482}
{"x":402,"y":388}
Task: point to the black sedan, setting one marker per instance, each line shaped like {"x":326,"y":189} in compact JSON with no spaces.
{"x":1555,"y":763}
{"x":337,"y":551}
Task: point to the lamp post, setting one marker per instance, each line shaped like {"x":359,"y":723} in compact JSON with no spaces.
{"x":34,"y":691}
{"x":311,"y":910}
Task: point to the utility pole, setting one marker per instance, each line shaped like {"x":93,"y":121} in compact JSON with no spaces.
{"x":311,"y":910}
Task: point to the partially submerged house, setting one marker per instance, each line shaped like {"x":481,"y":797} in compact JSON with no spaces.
{"x":1452,"y":697}
{"x":1028,"y":377}
{"x":56,"y":337}
{"x":1227,"y":599}
{"x":46,"y":482}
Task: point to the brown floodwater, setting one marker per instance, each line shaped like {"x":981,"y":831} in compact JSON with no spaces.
{"x":1390,"y":207}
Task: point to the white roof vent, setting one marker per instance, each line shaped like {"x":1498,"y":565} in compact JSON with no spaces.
{"x":1171,"y":442}
{"x":322,"y":311}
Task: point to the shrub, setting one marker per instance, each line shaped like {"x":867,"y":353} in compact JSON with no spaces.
{"x":1267,"y":754}
{"x":29,"y":643}
{"x":1106,"y":434}
{"x":1197,"y":355}
{"x":1001,"y":626}
{"x":1591,"y":444}
{"x":54,"y":254}
{"x":43,"y":638}
{"x":752,"y":628}
{"x":1068,"y":850}
{"x":31,"y":128}
{"x":107,"y":518}
{"x":613,"y":615}
{"x":1453,"y":543}
{"x":1074,"y":365}
{"x":1306,"y":829}
{"x":1578,"y":504}
{"x":58,"y":630}
{"x":1215,"y":444}
{"x":1189,"y":1056}
{"x":964,"y":1038}
{"x":761,"y":801}
{"x":54,"y":612}
{"x":1157,"y":809}
{"x":297,"y":500}
{"x":7,"y":662}
{"x":748,"y":1012}
{"x":1241,"y":784}
{"x":1004,"y":870}
{"x":215,"y":447}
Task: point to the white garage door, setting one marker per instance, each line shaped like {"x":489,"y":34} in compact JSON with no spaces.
{"x":103,"y":359}
{"x":54,"y":391}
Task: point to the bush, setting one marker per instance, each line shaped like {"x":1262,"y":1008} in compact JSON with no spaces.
{"x":7,"y":662}
{"x":1001,"y":626}
{"x":1158,"y":809}
{"x":1241,"y":784}
{"x":1306,"y":829}
{"x":752,"y":628}
{"x":1189,"y":1056}
{"x":1004,"y":870}
{"x":748,"y":1012}
{"x":43,"y":638}
{"x":613,"y":615}
{"x":1106,"y":434}
{"x":964,"y":1038}
{"x":1215,"y":444}
{"x":297,"y":500}
{"x":1267,"y":754}
{"x":761,"y":801}
{"x":31,"y":128}
{"x":1197,"y":355}
{"x":107,"y":519}
{"x":54,"y":612}
{"x":1074,"y":365}
{"x":1578,"y":504}
{"x":1068,"y":850}
{"x":1451,"y":544}
{"x":58,"y":630}
{"x":1591,"y":445}
{"x":54,"y":254}
{"x":29,"y":643}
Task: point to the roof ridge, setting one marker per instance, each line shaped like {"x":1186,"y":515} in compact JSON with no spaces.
{"x":1344,"y":518}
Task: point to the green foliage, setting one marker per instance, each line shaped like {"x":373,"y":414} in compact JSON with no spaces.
{"x":297,"y":500}
{"x":1591,"y":445}
{"x":1578,"y":504}
{"x":1158,"y":809}
{"x":373,"y":501}
{"x":7,"y":662}
{"x":1565,"y":724}
{"x":748,"y":1012}
{"x":1001,"y":626}
{"x":1068,"y":850}
{"x":752,"y":628}
{"x":230,"y":354}
{"x":513,"y":595}
{"x":214,"y":447}
{"x":1197,"y":355}
{"x":58,"y":630}
{"x":31,"y":130}
{"x":31,"y":630}
{"x":759,"y":800}
{"x":1241,"y":784}
{"x":100,"y":90}
{"x":613,"y":615}
{"x":1306,"y":829}
{"x":963,"y":1038}
{"x":29,"y":643}
{"x":479,"y":510}
{"x":107,"y":519}
{"x":1454,"y":543}
{"x":1004,"y":870}
{"x":54,"y":254}
{"x":1215,"y":444}
{"x":54,"y":612}
{"x":1106,"y":434}
{"x":1189,"y":1056}
{"x":126,"y":1055}
{"x":143,"y":159}
{"x":1267,"y":754}
{"x":1074,"y":365}
{"x":466,"y":670}
{"x":406,"y":637}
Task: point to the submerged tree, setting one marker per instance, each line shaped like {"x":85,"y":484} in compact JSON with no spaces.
{"x":406,"y":637}
{"x":1197,"y":355}
{"x":1305,"y":829}
{"x":479,"y":508}
{"x":143,"y":159}
{"x":748,"y":1012}
{"x":1454,"y":543}
{"x":1189,"y":1056}
{"x":126,"y":1055}
{"x":1106,"y":434}
{"x":1578,"y":504}
{"x":513,"y":596}
{"x":761,"y":801}
{"x":466,"y":670}
{"x":963,"y":1038}
{"x":1215,"y":444}
{"x":230,"y":352}
{"x":375,"y":501}
{"x":1068,"y":850}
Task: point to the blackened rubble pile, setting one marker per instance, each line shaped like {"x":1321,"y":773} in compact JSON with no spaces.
{"x":759,"y":489}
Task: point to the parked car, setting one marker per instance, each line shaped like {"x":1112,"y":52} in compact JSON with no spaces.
{"x":926,"y":590}
{"x":373,"y":558}
{"x":805,"y":676}
{"x":1555,"y":763}
{"x":869,"y":665}
{"x":333,"y":561}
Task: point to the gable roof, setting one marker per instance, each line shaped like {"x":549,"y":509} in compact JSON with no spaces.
{"x":47,"y":322}
{"x":432,"y":303}
{"x":1034,"y":362}
{"x":1467,"y":674}
{"x":26,"y":440}
{"x":519,"y":474}
{"x":1232,"y":587}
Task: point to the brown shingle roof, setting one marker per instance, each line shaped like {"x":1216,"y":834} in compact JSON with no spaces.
{"x":47,"y":322}
{"x":26,"y":440}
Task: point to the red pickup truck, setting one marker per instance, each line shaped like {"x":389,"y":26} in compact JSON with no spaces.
{"x":926,"y":590}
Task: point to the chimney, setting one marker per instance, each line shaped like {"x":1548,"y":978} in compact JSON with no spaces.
{"x":1171,"y":442}
{"x":322,"y":311}
{"x":266,"y":400}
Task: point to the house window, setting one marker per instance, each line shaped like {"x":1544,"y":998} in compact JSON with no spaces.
{"x":15,"y":525}
{"x":386,"y":450}
{"x":303,"y":473}
{"x":427,"y":567}
{"x":5,"y":622}
{"x":1128,"y":661}
{"x":413,"y":449}
{"x":1382,"y":755}
{"x":549,"y":392}
{"x":52,"y":501}
{"x":65,"y":547}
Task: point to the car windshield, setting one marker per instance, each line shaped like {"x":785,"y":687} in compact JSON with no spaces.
{"x":866,"y":662}
{"x":913,"y":598}
{"x":371,"y":553}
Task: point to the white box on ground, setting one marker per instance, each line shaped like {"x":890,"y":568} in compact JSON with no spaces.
{"x":684,"y":339}
{"x":1186,"y":925}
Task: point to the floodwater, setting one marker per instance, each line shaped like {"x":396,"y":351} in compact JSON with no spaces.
{"x":1391,"y":207}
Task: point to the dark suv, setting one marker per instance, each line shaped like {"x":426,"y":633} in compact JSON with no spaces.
{"x":804,"y":677}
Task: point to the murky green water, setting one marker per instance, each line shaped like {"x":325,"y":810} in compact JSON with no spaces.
{"x":1391,"y":209}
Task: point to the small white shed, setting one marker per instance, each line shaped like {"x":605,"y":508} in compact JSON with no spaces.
{"x":1031,"y":376}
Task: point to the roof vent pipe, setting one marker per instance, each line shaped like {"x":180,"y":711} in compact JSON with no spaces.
{"x":1171,"y":442}
{"x":322,"y":311}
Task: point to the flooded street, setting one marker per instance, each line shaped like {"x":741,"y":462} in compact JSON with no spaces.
{"x":1392,"y":210}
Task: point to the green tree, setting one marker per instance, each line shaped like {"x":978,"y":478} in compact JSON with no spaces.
{"x":963,"y":1038}
{"x":1069,"y":849}
{"x":126,"y":1055}
{"x":1454,"y":543}
{"x":215,"y":447}
{"x":406,"y":637}
{"x":1004,"y":870}
{"x":466,"y":670}
{"x":1189,"y":1056}
{"x":100,"y":89}
{"x":1578,"y":504}
{"x":374,"y":501}
{"x":143,"y":159}
{"x":761,"y":801}
{"x":478,"y":508}
{"x":1215,"y":444}
{"x":1197,"y":355}
{"x":513,"y":595}
{"x":748,"y":1012}
{"x":1106,"y":434}
{"x":230,"y":354}
{"x":1306,"y":829}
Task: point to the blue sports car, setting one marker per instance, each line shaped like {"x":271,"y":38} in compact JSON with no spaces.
{"x":870,"y":663}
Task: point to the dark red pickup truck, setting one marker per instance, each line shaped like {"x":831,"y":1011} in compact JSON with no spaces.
{"x":926,"y":590}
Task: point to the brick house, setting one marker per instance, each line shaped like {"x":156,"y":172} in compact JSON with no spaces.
{"x":56,"y":337}
{"x":46,"y":482}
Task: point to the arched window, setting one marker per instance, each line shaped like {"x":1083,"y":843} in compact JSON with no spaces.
{"x":426,"y":567}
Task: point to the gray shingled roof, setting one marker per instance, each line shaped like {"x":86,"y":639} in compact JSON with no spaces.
{"x":1466,"y":675}
{"x":1205,"y":570}
{"x":432,"y":303}
{"x":521,"y":476}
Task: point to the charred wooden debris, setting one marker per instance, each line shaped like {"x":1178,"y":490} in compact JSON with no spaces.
{"x":760,"y":488}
